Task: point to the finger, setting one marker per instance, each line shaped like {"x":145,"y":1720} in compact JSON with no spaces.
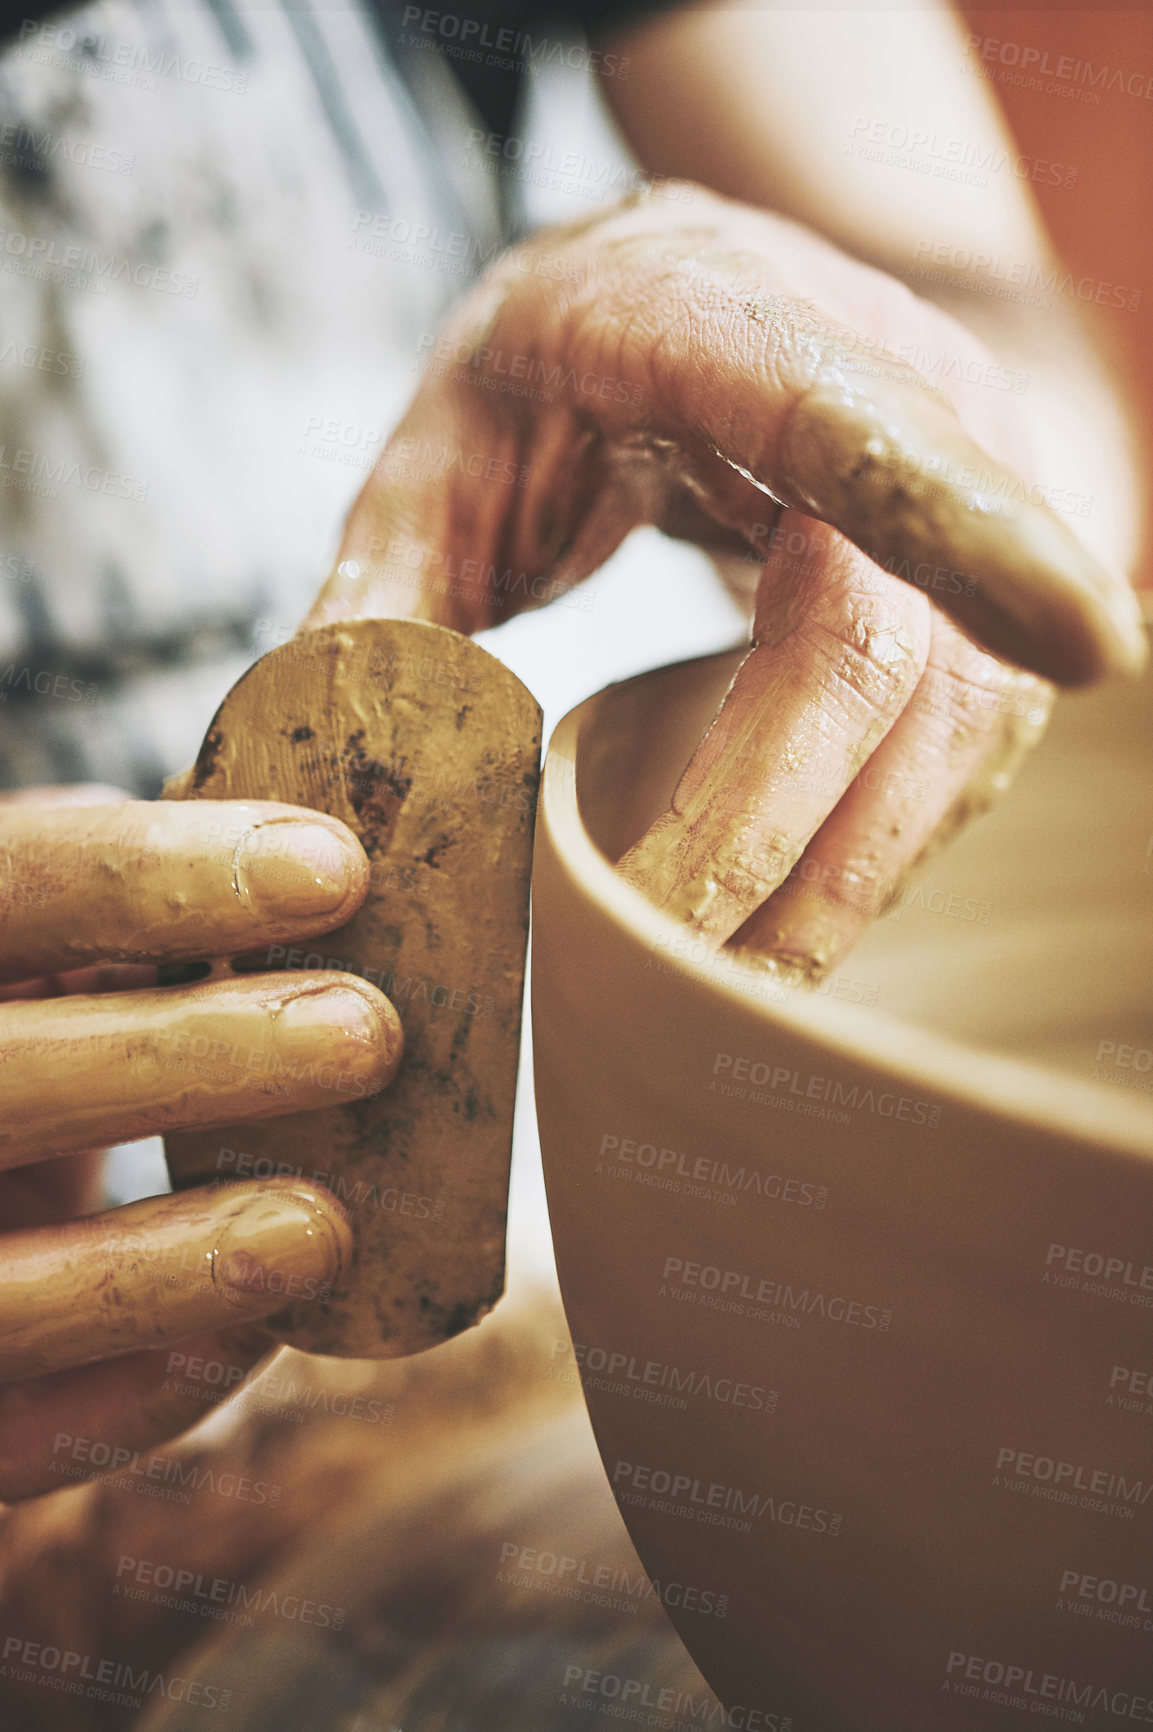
{"x":141,"y":880}
{"x":450,"y":542}
{"x":85,"y":1071}
{"x":1028,"y":589}
{"x":883,"y":459}
{"x":66,"y":794}
{"x":707,"y":353}
{"x":179,"y":785}
{"x":154,"y":1273}
{"x":38,"y":1195}
{"x":838,"y":651}
{"x":96,"y":1419}
{"x":952,"y":753}
{"x":99,"y":977}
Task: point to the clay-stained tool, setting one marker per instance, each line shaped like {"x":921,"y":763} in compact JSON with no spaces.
{"x":429,"y":750}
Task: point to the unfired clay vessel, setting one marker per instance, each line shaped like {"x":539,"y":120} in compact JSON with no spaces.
{"x":861,"y":1283}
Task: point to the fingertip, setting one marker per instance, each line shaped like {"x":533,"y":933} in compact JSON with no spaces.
{"x":1086,"y":637}
{"x":801,"y":933}
{"x":292,"y":865}
{"x":908,"y":486}
{"x":280,"y":1225}
{"x":1116,"y":645}
{"x":362,"y":1026}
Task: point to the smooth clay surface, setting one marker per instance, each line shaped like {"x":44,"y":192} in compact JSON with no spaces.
{"x":862,"y":1281}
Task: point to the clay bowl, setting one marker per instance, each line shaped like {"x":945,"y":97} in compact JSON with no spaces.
{"x":861,"y":1283}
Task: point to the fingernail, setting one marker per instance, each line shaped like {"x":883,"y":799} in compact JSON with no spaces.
{"x":288,"y":869}
{"x":183,"y":1264}
{"x":355,"y":1030}
{"x":292,"y":1243}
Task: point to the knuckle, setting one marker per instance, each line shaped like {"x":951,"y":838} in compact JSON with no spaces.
{"x":871,"y":653}
{"x":983,"y":695}
{"x":857,"y":882}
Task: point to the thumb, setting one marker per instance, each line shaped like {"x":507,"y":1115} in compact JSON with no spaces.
{"x":470,"y":517}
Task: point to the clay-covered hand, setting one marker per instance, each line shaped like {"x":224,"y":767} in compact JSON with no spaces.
{"x":96,"y":891}
{"x":730,"y":376}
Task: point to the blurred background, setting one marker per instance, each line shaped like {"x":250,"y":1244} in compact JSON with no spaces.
{"x":446,"y":1521}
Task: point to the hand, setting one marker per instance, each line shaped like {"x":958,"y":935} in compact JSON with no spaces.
{"x":97,"y":890}
{"x":690,"y":362}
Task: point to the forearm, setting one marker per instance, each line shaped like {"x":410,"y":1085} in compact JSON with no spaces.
{"x":788,"y":111}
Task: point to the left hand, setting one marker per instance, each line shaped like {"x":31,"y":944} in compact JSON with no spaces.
{"x":98,"y":1312}
{"x":725,"y":374}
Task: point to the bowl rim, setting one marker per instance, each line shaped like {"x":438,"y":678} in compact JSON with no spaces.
{"x":971,"y":1077}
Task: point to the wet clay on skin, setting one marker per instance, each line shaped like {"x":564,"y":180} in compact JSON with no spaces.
{"x":176,"y":1265}
{"x":427,"y":748}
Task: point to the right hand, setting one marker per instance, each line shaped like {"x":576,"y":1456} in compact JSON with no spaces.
{"x":96,"y":891}
{"x":688,"y":361}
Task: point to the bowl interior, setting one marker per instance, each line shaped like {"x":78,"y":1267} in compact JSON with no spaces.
{"x":1029,"y":936}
